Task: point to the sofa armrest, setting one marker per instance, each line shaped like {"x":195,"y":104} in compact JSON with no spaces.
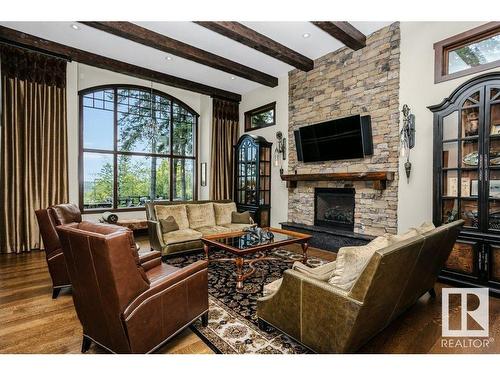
{"x":314,"y":312}
{"x":323,"y":272}
{"x":150,"y":259}
{"x":162,"y":284}
{"x":155,"y":235}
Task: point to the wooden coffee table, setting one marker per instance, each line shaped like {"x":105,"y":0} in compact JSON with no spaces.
{"x":242,"y":243}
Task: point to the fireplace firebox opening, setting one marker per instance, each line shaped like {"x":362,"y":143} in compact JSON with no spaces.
{"x":334,"y":208}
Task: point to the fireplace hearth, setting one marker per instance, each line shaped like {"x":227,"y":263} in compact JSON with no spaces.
{"x":334,"y":208}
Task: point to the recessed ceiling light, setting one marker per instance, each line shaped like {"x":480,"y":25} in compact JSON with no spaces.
{"x":169,"y":58}
{"x":306,"y":35}
{"x":74,"y":26}
{"x":233,"y":77}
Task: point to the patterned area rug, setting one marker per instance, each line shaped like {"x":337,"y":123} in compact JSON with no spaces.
{"x":232,"y":325}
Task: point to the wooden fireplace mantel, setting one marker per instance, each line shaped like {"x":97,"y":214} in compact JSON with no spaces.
{"x":379,"y":178}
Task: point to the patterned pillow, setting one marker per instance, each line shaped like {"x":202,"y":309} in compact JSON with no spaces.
{"x":352,"y":260}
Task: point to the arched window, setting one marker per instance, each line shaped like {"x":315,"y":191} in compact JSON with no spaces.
{"x":136,"y":145}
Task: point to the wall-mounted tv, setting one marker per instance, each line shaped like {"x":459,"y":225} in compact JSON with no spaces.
{"x":343,"y":138}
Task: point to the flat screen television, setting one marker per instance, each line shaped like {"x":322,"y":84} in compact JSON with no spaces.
{"x":343,"y":138}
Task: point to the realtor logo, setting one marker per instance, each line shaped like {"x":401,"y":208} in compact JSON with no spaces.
{"x":472,"y":320}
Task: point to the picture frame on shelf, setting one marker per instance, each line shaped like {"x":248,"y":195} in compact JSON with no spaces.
{"x":452,"y":187}
{"x":465,"y":187}
{"x":474,"y":188}
{"x":494,"y":189}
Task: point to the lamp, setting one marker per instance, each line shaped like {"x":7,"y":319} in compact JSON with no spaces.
{"x":280,"y":151}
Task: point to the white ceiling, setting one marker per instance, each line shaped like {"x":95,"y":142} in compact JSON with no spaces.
{"x":288,"y":33}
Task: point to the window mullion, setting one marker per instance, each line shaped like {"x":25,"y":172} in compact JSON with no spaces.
{"x":171,"y":161}
{"x":115,"y":149}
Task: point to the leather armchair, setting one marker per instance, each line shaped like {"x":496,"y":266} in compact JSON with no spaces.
{"x":48,"y":219}
{"x":125,"y":303}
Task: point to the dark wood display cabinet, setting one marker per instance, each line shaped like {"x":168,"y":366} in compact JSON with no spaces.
{"x":467,"y":179}
{"x":252,"y":180}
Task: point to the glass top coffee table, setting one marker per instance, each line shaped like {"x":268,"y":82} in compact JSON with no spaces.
{"x":243,"y":243}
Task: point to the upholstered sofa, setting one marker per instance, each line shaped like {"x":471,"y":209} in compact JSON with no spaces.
{"x":308,"y":306}
{"x":194,"y":219}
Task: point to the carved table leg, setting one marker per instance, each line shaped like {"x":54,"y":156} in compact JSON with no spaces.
{"x":239,"y":273}
{"x":305,"y":246}
{"x":205,"y":249}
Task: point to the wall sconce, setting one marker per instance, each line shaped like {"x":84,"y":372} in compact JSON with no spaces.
{"x":407,"y":138}
{"x":280,"y":151}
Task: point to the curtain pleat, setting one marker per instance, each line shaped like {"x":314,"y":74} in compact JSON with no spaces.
{"x":33,"y":155}
{"x":224,"y":136}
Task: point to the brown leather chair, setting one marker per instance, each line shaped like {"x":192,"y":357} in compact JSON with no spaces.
{"x":48,"y":219}
{"x":126,"y":304}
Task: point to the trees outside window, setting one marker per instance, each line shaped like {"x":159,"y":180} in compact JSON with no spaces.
{"x":136,"y":146}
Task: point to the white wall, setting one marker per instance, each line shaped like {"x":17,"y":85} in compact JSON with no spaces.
{"x":257,"y":98}
{"x":81,"y":76}
{"x":417,"y":89}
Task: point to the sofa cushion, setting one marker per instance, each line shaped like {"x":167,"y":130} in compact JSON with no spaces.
{"x":200,"y":215}
{"x":168,"y":225}
{"x":215,"y":229}
{"x":352,"y":260}
{"x":272,"y":287}
{"x":237,"y":227}
{"x":223,"y":212}
{"x":178,"y":211}
{"x":181,"y":235}
{"x":241,"y":217}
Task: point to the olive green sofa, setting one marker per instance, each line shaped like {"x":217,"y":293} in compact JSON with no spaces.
{"x":330,"y":319}
{"x":195,"y":220}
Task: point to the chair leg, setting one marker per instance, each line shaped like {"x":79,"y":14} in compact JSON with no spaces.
{"x":262,"y":324}
{"x":204,"y":319}
{"x":432,"y":293}
{"x":86,"y":344}
{"x":55,"y":292}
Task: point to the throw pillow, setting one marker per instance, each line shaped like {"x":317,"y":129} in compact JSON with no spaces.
{"x":178,"y":211}
{"x":241,"y":217}
{"x":425,"y":227}
{"x":352,"y":260}
{"x":168,"y":225}
{"x":412,"y":232}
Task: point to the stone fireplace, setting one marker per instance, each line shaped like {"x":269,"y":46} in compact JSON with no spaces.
{"x":334,"y":207}
{"x":344,"y":83}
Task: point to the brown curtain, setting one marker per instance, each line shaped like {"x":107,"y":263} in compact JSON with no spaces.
{"x":33,"y":154}
{"x":224,"y":137}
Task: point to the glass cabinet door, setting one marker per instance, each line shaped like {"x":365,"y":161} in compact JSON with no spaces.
{"x":461,"y":187}
{"x":492,"y":160}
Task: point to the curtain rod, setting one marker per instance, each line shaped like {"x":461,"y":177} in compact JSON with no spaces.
{"x":35,"y":49}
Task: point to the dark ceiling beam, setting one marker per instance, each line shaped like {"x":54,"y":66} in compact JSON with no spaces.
{"x":344,"y":32}
{"x":19,"y":38}
{"x":251,"y":38}
{"x":166,"y":44}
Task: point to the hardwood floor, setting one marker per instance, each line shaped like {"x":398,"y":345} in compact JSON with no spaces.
{"x":32,"y":322}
